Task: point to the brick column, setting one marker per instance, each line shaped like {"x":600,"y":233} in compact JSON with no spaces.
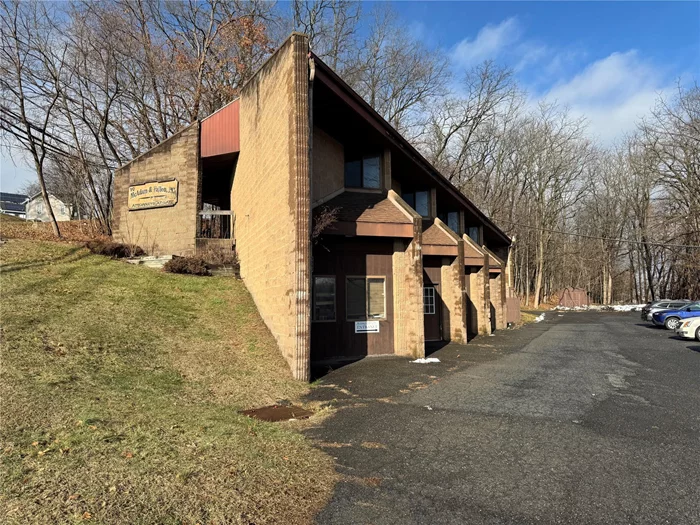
{"x":498,"y":299}
{"x":300,"y":162}
{"x":407,"y":268}
{"x":484,"y":304}
{"x":454,"y":298}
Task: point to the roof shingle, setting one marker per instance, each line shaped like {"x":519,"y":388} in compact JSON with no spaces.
{"x":365,"y":207}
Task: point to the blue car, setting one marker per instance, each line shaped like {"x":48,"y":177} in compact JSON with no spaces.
{"x":670,"y":319}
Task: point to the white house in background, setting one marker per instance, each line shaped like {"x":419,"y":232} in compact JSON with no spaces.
{"x":36,"y":209}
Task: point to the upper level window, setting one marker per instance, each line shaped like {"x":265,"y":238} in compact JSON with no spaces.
{"x":419,"y":201}
{"x":363,"y":173}
{"x":451,"y":219}
{"x":473,"y":232}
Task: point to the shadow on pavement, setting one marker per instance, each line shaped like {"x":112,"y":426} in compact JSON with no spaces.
{"x":319,"y":370}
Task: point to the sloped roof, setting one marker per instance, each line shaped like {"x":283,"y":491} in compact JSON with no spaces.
{"x":16,"y":198}
{"x":407,"y":147}
{"x":12,"y":206}
{"x":433,"y":234}
{"x":365,"y":207}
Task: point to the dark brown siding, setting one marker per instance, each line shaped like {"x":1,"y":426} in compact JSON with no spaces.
{"x":220,"y":131}
{"x":352,"y":257}
{"x":432,"y":274}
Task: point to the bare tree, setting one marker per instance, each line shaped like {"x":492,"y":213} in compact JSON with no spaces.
{"x":332,"y":27}
{"x":31,"y":63}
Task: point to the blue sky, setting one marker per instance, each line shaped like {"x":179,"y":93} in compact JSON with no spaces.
{"x":606,"y":61}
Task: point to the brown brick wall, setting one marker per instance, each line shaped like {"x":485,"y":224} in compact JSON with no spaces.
{"x":271,"y":201}
{"x":480,"y":299}
{"x":407,"y":261}
{"x":498,"y":299}
{"x":328,"y":165}
{"x":454,"y":298}
{"x":161,"y":231}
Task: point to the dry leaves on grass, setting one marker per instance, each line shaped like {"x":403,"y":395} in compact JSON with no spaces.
{"x":73,"y":231}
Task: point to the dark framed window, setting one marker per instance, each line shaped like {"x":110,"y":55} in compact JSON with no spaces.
{"x":365,"y":298}
{"x":451,"y":218}
{"x":428,"y":300}
{"x":419,"y":201}
{"x":474,"y":234}
{"x":324,"y":298}
{"x":365,"y":172}
{"x":453,"y":221}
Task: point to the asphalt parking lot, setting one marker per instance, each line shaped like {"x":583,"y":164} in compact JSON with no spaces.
{"x":583,"y":418}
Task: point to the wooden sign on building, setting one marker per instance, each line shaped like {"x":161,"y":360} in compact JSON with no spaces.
{"x":153,"y":195}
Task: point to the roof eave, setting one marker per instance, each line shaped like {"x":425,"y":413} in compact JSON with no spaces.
{"x":401,"y":142}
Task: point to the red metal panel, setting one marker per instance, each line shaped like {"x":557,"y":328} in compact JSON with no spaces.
{"x":220,"y":131}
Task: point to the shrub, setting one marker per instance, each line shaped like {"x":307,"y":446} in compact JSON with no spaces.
{"x":115,"y":250}
{"x":187,"y":265}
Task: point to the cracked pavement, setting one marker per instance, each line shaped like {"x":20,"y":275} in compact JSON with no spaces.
{"x":583,"y":418}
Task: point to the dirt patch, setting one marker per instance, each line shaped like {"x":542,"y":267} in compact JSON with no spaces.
{"x":274,"y":413}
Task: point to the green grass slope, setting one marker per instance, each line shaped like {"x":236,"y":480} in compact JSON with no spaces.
{"x":120,"y":388}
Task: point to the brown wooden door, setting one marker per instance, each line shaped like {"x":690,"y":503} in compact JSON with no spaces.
{"x":344,"y":258}
{"x":431,"y":313}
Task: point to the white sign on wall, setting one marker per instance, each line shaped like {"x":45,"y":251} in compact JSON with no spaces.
{"x":366,"y":327}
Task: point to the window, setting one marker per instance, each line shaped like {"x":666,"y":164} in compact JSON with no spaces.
{"x":371,"y":172}
{"x":365,"y":298}
{"x":419,"y":201}
{"x":428,"y":300}
{"x":363,"y":173}
{"x":324,"y":298}
{"x":353,"y":174}
{"x":473,"y":232}
{"x":451,"y":219}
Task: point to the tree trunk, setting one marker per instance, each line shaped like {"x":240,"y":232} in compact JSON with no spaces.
{"x":540,"y":269}
{"x":45,"y":196}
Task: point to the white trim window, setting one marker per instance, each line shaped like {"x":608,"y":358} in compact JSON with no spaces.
{"x":428,"y":300}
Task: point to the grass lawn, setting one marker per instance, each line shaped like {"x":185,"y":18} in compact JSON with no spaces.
{"x":120,"y":387}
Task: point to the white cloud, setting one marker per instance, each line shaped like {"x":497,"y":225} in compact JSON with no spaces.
{"x":490,"y":42}
{"x":612,"y":93}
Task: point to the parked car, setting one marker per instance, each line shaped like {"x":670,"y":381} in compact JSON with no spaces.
{"x":689,"y":329}
{"x":670,"y":319}
{"x":664,"y":304}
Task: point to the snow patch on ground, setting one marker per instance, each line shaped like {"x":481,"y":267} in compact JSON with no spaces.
{"x":539,"y":318}
{"x":628,"y":307}
{"x":424,"y":360}
{"x":602,"y":308}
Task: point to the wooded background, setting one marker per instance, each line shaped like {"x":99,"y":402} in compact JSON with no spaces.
{"x":87,"y":86}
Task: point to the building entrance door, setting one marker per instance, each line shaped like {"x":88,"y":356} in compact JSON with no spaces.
{"x":431,"y":313}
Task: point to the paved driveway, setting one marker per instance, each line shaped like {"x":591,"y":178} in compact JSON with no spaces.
{"x":584,"y":418}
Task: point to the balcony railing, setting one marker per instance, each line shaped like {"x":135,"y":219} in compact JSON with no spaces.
{"x":215,"y":224}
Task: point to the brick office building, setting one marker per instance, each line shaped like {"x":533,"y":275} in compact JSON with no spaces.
{"x":407,"y":258}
